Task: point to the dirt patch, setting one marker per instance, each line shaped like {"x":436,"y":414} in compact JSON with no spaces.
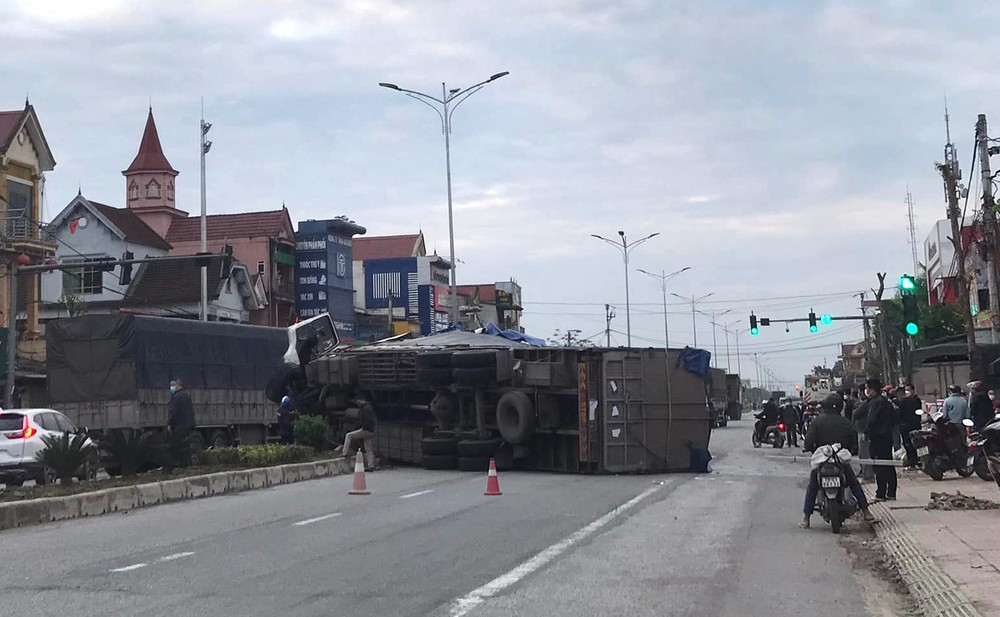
{"x":958,"y":501}
{"x":885,"y":592}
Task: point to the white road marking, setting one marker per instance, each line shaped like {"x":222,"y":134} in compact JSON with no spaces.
{"x":470,"y":601}
{"x":134,"y":566}
{"x":417,"y":494}
{"x":176,"y":556}
{"x":310,"y":521}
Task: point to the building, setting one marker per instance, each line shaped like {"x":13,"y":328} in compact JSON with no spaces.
{"x":942,"y":268}
{"x":25,"y":158}
{"x":497,"y":303}
{"x":853,"y":356}
{"x":324,"y":271}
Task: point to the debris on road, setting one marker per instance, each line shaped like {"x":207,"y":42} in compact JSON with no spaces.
{"x":958,"y":501}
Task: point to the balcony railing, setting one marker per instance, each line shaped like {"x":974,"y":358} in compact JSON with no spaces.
{"x":285,"y":289}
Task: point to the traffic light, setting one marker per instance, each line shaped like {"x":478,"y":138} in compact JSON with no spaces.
{"x":907,"y":284}
{"x":812,"y":322}
{"x":910,"y":317}
{"x":754,"y":330}
{"x":126,"y":276}
{"x":825,"y":319}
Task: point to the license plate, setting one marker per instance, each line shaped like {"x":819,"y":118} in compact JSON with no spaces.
{"x":830,"y":482}
{"x":923,"y":451}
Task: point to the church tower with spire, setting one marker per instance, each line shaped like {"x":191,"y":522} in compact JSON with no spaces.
{"x":149,"y":182}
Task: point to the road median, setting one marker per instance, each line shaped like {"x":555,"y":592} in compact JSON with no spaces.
{"x":26,"y":512}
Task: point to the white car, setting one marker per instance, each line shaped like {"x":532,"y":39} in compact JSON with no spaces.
{"x":21,"y":433}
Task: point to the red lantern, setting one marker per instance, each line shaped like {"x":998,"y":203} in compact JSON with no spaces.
{"x":23,"y":260}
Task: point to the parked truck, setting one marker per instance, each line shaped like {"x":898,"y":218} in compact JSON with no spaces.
{"x":717,"y":395}
{"x":734,"y":397}
{"x":114,"y":371}
{"x":456,"y":399}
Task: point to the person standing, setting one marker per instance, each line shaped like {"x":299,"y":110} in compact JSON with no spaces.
{"x":859,"y":418}
{"x":909,"y":404}
{"x":180,"y":410}
{"x":881,"y":422}
{"x":955,"y":406}
{"x":980,"y":405}
{"x":790,"y":416}
{"x":286,"y":421}
{"x":995,"y":400}
{"x":365,"y":431}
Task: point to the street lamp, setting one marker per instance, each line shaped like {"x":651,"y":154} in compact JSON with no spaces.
{"x":663,"y":277}
{"x":626,"y":247}
{"x":736,"y":334}
{"x":694,"y":303}
{"x":449,"y":101}
{"x":715,"y":342}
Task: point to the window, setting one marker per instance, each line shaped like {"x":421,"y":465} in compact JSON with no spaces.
{"x":19,"y":197}
{"x":170,"y":191}
{"x":47,"y":421}
{"x":64,"y":423}
{"x":153,"y":189}
{"x":133,"y":191}
{"x":82,"y":281}
{"x":260,"y":267}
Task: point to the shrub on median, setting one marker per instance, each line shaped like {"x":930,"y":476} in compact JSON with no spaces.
{"x":64,"y":454}
{"x":312,"y":431}
{"x":255,"y":456}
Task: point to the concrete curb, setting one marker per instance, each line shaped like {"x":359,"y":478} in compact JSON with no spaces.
{"x":935,"y":592}
{"x":122,"y":499}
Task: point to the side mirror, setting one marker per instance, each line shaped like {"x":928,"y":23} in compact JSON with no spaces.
{"x":968,"y":422}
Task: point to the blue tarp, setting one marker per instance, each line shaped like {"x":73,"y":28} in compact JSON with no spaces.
{"x":513,"y":335}
{"x":696,"y":360}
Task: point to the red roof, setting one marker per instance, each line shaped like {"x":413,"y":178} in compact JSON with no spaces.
{"x":389,"y":247}
{"x":134,"y":228}
{"x":150,"y":156}
{"x":267,"y":224}
{"x":10,"y":121}
{"x":487,"y":293}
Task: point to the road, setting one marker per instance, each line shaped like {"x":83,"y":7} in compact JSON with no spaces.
{"x":430,"y":543}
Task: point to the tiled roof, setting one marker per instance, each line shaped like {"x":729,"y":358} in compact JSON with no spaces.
{"x":267,"y":224}
{"x":487,"y":293}
{"x":132,"y":226}
{"x":9,"y":123}
{"x":164,"y":284}
{"x":388,"y":247}
{"x":150,"y":156}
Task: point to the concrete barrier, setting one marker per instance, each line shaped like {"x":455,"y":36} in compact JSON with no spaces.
{"x":122,"y":499}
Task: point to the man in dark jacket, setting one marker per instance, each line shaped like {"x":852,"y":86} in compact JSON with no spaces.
{"x":827,"y":429}
{"x":767,"y":417}
{"x":881,"y":422}
{"x":909,"y":421}
{"x":286,"y":421}
{"x":980,"y":405}
{"x":790,"y":416}
{"x":180,"y":410}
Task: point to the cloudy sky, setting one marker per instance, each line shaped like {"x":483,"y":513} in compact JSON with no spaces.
{"x":769,"y":143}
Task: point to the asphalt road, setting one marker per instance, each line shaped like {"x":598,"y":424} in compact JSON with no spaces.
{"x":430,"y":543}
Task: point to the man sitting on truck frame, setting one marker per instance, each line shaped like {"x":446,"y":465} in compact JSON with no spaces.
{"x":365,"y":431}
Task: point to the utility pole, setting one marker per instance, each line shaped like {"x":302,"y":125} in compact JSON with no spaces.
{"x":569,"y":337}
{"x":883,"y":342}
{"x":205,"y":147}
{"x":913,"y":231}
{"x":609,"y":314}
{"x":951,"y":174}
{"x":12,"y":333}
{"x":989,"y":225}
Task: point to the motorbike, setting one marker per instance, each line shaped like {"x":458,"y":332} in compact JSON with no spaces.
{"x":991,"y":448}
{"x":977,"y":451}
{"x":835,"y":502}
{"x":808,"y":416}
{"x":773,"y":435}
{"x":942,"y":446}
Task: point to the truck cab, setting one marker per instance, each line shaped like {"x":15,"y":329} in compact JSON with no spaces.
{"x":310,"y":339}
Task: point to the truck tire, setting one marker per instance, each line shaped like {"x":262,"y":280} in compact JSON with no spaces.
{"x":473,"y":463}
{"x":434,"y":376}
{"x":439,"y":446}
{"x":476,"y":358}
{"x":434,"y":359}
{"x":516,"y":417}
{"x":218,"y":439}
{"x":277,"y":385}
{"x":478,"y":448}
{"x":474,"y":376}
{"x":439,"y":461}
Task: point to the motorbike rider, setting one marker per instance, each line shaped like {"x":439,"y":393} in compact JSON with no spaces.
{"x":790,"y":416}
{"x":980,"y":405}
{"x":827,"y":429}
{"x":767,"y":417}
{"x":955,"y":406}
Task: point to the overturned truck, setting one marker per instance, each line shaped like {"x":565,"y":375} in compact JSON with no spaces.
{"x":457,"y":399}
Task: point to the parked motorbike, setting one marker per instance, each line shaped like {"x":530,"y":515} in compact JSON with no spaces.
{"x":773,"y":435}
{"x":991,"y":449}
{"x":942,"y":446}
{"x":977,"y":450}
{"x":835,"y":502}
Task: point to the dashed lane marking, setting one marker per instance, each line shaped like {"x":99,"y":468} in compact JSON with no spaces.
{"x":176,"y":556}
{"x":134,"y":566}
{"x":310,"y":521}
{"x":417,"y":494}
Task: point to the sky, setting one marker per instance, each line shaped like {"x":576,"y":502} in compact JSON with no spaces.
{"x":770,"y":144}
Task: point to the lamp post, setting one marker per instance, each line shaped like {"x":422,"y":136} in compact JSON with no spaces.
{"x":736,"y":335}
{"x":445,"y":107}
{"x":663,"y":277}
{"x":694,"y":304}
{"x":205,"y":147}
{"x":626,"y":248}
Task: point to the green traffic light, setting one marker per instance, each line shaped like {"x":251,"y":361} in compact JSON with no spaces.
{"x":912,"y":329}
{"x":907,"y":283}
{"x":813,"y":328}
{"x":754,"y":331}
{"x":826,"y":319}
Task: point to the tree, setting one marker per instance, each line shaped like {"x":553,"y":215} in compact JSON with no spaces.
{"x":74,"y":304}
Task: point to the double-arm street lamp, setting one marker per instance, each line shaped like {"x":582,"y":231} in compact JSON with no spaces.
{"x":626,"y":248}
{"x":663,"y":277}
{"x":694,"y":307}
{"x":445,"y":107}
{"x":715,"y":340}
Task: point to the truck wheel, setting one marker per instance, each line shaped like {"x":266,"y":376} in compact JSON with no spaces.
{"x":478,"y":448}
{"x":197,"y":442}
{"x":475,"y":376}
{"x":516,"y":417}
{"x":477,"y":358}
{"x":474,"y":463}
{"x":218,"y":439}
{"x":434,"y":359}
{"x":439,"y":446}
{"x":439,"y":461}
{"x":434,"y":376}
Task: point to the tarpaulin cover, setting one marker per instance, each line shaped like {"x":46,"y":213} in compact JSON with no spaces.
{"x":514,"y":335}
{"x":696,"y":360}
{"x":109,"y":357}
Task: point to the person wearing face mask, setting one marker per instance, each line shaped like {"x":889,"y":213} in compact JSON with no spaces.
{"x":980,"y":405}
{"x":909,"y":421}
{"x":180,"y":410}
{"x":996,"y":401}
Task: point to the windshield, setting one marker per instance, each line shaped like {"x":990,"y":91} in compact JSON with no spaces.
{"x":11,"y":421}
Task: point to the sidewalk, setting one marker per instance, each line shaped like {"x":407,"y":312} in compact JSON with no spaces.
{"x":964,"y":544}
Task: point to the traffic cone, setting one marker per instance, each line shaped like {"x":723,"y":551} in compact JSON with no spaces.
{"x":360,"y":485}
{"x":492,"y":481}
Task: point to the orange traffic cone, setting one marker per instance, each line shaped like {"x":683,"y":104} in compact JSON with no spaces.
{"x":360,"y":485}
{"x":492,"y":481}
